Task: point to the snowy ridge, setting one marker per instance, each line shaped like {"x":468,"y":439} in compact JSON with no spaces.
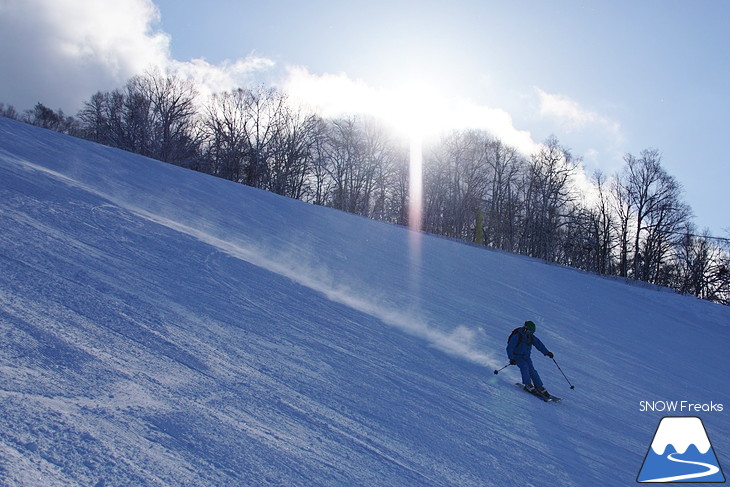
{"x":680,"y":432}
{"x":163,"y":327}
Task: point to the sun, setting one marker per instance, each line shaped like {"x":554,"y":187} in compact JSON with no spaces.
{"x":417,"y":109}
{"x":414,"y":105}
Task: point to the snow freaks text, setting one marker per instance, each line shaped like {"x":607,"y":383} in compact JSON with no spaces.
{"x":679,"y":407}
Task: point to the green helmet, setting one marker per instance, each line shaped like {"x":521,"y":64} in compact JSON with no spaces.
{"x":530,"y":326}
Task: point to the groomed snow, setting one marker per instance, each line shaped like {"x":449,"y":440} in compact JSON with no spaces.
{"x":163,"y":327}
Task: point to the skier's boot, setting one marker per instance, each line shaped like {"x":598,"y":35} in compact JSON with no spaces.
{"x":542,"y":391}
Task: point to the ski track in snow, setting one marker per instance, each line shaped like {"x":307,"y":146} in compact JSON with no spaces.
{"x":457,"y":342}
{"x":162,"y":327}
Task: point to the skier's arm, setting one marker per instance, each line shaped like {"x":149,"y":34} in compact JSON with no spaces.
{"x":539,"y":345}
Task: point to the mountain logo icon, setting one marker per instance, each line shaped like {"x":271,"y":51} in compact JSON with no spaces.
{"x":681,"y":452}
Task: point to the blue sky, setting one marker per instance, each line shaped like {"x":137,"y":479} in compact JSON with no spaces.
{"x":606,"y":78}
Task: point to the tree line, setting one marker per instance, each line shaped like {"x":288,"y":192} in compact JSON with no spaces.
{"x":633,"y":224}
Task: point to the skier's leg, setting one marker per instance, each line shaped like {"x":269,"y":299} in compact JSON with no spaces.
{"x":534,"y":376}
{"x":524,"y":370}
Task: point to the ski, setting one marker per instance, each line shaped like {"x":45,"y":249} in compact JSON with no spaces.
{"x":547,"y":398}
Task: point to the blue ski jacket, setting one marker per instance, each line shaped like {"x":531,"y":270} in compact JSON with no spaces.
{"x":520,"y":345}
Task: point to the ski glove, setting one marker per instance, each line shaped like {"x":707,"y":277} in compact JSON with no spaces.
{"x":550,"y":354}
{"x":513,"y":362}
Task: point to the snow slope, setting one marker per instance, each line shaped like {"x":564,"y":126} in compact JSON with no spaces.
{"x":163,"y":327}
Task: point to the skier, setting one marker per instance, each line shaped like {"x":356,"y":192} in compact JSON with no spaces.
{"x":519,"y":347}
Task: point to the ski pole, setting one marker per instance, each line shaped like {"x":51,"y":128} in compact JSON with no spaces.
{"x":561,"y":371}
{"x":498,"y":370}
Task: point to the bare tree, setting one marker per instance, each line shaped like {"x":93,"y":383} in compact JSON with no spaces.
{"x":502,"y":204}
{"x":695,"y":258}
{"x":652,"y":196}
{"x":226,"y":147}
{"x":172,"y":110}
{"x":42,"y":116}
{"x":602,"y":227}
{"x":321,"y":184}
{"x":456,"y":180}
{"x":242,"y":129}
{"x":292,"y":160}
{"x":549,"y":199}
{"x":154,"y":116}
{"x":344,"y":152}
{"x":262,"y":122}
{"x":9,"y":111}
{"x":625,"y":213}
{"x":362,"y":160}
{"x":94,"y":119}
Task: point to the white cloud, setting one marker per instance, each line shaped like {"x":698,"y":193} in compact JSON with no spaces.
{"x":572,"y":116}
{"x":226,"y":76}
{"x":596,"y":137}
{"x":495,"y":121}
{"x":116,"y":34}
{"x":61,"y":51}
{"x":413,"y":104}
{"x":332,"y":95}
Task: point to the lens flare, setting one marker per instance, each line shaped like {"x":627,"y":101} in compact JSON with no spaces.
{"x":415,"y":212}
{"x":415,"y":184}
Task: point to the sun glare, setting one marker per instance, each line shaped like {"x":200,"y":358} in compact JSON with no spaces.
{"x":408,"y":113}
{"x":415,"y":185}
{"x":417,"y":111}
